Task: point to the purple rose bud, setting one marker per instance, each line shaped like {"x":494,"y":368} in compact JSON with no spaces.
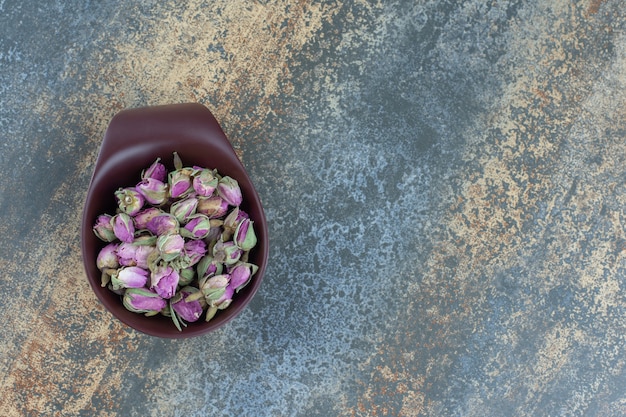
{"x":226,"y":252}
{"x":213,"y":207}
{"x":231,"y":222}
{"x":144,"y":238}
{"x":187,"y":309}
{"x":245,"y":237}
{"x":142,"y":218}
{"x":207,"y":267}
{"x":226,"y":298}
{"x":129,"y":277}
{"x":187,"y":275}
{"x":170,"y":246}
{"x":163,"y":224}
{"x":198,"y":227}
{"x":164,"y":281}
{"x":103,"y":228}
{"x":156,"y":171}
{"x":214,"y":287}
{"x":183,"y":209}
{"x":129,"y":200}
{"x":130,"y":254}
{"x":217,"y":229}
{"x":194,"y":250}
{"x":241,"y":274}
{"x":107,"y":257}
{"x":228,"y":189}
{"x":154,"y":191}
{"x":142,"y":300}
{"x":180,"y":183}
{"x":123,"y":227}
{"x":205,"y":182}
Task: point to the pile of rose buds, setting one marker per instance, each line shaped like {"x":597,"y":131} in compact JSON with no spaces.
{"x":178,"y":244}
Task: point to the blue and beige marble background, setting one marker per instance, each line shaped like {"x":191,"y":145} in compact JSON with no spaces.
{"x":444,"y":183}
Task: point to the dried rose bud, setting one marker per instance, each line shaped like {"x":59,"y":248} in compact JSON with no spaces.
{"x":107,"y":257}
{"x":130,"y":254}
{"x":129,"y":200}
{"x":142,"y":218}
{"x":163,"y":224}
{"x":129,"y":277}
{"x":194,"y":250}
{"x":226,"y":298}
{"x":245,"y":237}
{"x":198,"y":227}
{"x":241,"y":274}
{"x":183,"y":209}
{"x":231,"y":222}
{"x":180,"y":183}
{"x":164,"y":281}
{"x":142,"y":300}
{"x":188,"y":309}
{"x":228,"y":189}
{"x":156,"y":171}
{"x":226,"y":252}
{"x":205,"y":182}
{"x":153,"y":190}
{"x":213,"y":207}
{"x":103,"y":228}
{"x":216,"y":231}
{"x":187,"y":275}
{"x":123,"y":227}
{"x":214,"y":287}
{"x":144,"y":238}
{"x":170,"y":246}
{"x":207,"y":267}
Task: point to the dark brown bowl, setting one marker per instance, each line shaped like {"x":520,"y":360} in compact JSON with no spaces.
{"x":133,"y":140}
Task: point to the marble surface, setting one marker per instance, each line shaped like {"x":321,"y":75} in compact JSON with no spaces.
{"x":444,"y":183}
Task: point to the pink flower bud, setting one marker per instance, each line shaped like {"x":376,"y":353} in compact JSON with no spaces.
{"x":198,"y":227}
{"x":180,"y":183}
{"x":187,"y":275}
{"x":170,"y":246}
{"x":213,"y":207}
{"x":232,"y":220}
{"x":228,"y":189}
{"x":241,"y":274}
{"x":226,"y":252}
{"x":153,"y":190}
{"x":142,"y":218}
{"x":163,"y":224}
{"x":123,"y":227}
{"x":207,"y":267}
{"x":107,"y":257}
{"x":205,"y":182}
{"x":156,"y":171}
{"x":245,"y":237}
{"x":130,"y":254}
{"x":129,"y":277}
{"x":129,"y":200}
{"x":187,"y":309}
{"x":103,"y":228}
{"x":226,"y":298}
{"x":183,"y":209}
{"x":142,"y":300}
{"x":194,"y":251}
{"x":214,"y":287}
{"x":164,"y":281}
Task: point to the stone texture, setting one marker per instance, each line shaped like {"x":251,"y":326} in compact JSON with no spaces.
{"x":444,"y":183}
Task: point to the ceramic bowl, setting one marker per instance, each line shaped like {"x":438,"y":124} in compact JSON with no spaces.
{"x":133,"y":140}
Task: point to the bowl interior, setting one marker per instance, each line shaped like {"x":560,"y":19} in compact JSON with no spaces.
{"x":133,"y":140}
